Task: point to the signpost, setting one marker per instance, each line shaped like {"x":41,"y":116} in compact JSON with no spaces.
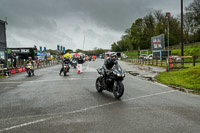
{"x":158,"y":46}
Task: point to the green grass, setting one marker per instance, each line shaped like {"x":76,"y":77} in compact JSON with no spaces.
{"x":131,"y":54}
{"x":186,"y":78}
{"x":1,"y":76}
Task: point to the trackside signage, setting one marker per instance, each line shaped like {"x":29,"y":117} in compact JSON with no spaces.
{"x":158,"y":42}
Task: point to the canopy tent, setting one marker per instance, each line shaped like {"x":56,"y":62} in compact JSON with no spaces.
{"x":76,"y":54}
{"x":67,"y":54}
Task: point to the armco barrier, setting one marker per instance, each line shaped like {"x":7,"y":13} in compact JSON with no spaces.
{"x":22,"y":69}
{"x":19,"y":70}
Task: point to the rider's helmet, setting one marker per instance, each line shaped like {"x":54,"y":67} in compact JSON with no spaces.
{"x":113,"y":56}
{"x":67,"y":57}
{"x":29,"y":58}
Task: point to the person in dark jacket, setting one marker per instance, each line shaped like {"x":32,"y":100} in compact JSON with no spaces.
{"x":80,"y":60}
{"x":65,"y":61}
{"x":13,"y":60}
{"x":109,"y":63}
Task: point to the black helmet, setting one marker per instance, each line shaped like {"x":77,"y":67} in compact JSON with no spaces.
{"x":113,"y":56}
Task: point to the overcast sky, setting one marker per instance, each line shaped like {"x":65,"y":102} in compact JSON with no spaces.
{"x":66,"y":22}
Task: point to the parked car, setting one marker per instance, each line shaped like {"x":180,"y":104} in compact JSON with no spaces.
{"x":177,"y":59}
{"x":150,"y":56}
{"x":143,"y":56}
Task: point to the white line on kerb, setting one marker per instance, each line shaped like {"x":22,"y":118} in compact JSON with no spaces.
{"x":79,"y":111}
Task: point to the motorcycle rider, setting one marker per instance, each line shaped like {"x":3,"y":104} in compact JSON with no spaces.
{"x":65,"y":61}
{"x":30,"y":61}
{"x":109,"y":63}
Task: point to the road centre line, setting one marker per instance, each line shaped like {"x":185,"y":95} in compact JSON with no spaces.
{"x":25,"y":124}
{"x":78,"y":111}
{"x":47,"y":80}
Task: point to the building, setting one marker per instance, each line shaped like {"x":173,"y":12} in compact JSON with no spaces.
{"x":3,"y":44}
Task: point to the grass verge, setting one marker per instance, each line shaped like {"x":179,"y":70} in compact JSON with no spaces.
{"x":1,"y":76}
{"x":186,"y":78}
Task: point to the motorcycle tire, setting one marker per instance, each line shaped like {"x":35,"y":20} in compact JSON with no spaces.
{"x":98,"y":85}
{"x":118,"y":89}
{"x":74,"y":66}
{"x":29,"y":73}
{"x":65,"y":73}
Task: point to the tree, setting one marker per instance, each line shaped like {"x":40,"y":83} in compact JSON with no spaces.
{"x":194,"y":10}
{"x":78,"y":50}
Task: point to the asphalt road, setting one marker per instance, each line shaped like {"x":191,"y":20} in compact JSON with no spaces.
{"x":49,"y":103}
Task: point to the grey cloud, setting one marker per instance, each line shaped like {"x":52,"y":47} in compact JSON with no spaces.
{"x":66,"y":21}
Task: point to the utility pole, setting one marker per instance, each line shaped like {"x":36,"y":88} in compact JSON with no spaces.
{"x":182,"y":48}
{"x":83,"y":43}
{"x":168,"y":14}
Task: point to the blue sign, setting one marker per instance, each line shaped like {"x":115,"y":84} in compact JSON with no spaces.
{"x":58,"y":48}
{"x":44,"y":49}
{"x":64,"y":49}
{"x":40,"y":49}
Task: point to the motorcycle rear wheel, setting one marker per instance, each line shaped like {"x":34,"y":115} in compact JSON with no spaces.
{"x":118,"y":89}
{"x":98,"y":85}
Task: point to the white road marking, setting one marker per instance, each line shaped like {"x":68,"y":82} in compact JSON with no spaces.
{"x":87,"y":66}
{"x":47,"y":80}
{"x":10,"y":82}
{"x":79,"y":111}
{"x":24,"y":124}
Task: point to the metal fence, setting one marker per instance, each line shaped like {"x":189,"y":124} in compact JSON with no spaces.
{"x":170,"y":63}
{"x":21,"y":64}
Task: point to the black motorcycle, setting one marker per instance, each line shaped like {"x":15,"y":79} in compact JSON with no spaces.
{"x":29,"y":69}
{"x":66,"y":69}
{"x":112,"y":82}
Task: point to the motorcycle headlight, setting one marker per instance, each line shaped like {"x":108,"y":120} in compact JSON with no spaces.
{"x":123,"y":75}
{"x":118,"y":75}
{"x":65,"y":66}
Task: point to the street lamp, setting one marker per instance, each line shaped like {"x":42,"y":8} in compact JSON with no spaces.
{"x":168,"y":14}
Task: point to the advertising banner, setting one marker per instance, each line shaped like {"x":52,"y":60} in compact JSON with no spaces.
{"x":158,"y":42}
{"x":40,"y":49}
{"x":64,"y":49}
{"x":58,"y":48}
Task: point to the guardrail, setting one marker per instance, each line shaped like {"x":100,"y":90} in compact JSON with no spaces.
{"x":179,"y":62}
{"x":152,"y":62}
{"x":21,"y":66}
{"x":170,"y":63}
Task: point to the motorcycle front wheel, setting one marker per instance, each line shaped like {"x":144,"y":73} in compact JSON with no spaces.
{"x":118,"y":89}
{"x":65,"y":73}
{"x":29,"y":73}
{"x":98,"y":85}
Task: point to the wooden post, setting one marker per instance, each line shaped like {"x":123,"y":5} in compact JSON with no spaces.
{"x":193,"y":60}
{"x":167,"y":65}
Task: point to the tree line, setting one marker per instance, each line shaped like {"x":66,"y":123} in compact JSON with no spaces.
{"x":138,"y":36}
